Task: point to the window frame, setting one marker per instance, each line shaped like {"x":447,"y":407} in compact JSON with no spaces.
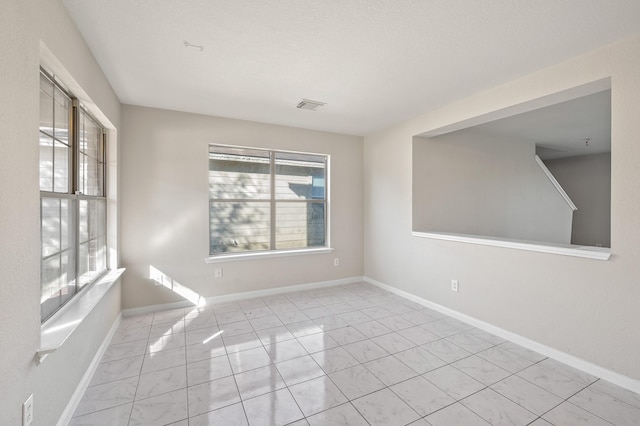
{"x":273,"y":202}
{"x":77,"y":114}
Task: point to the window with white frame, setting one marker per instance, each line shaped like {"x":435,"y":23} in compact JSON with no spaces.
{"x":72,"y":197}
{"x":265,"y":200}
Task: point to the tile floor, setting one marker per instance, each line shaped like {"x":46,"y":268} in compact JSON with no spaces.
{"x":346,"y":355}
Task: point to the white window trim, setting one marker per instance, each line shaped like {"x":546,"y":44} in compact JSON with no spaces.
{"x":266,"y":254}
{"x":78,"y":113}
{"x":227,"y":257}
{"x":57,"y":329}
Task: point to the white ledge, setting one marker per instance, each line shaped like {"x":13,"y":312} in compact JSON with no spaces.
{"x":555,"y":183}
{"x":265,"y":254}
{"x":589,"y":252}
{"x":57,"y":329}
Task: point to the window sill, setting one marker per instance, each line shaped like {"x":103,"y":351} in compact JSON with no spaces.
{"x":599,"y":253}
{"x":265,"y":254}
{"x":57,"y":329}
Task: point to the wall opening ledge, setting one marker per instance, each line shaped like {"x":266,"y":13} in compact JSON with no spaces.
{"x":589,"y":252}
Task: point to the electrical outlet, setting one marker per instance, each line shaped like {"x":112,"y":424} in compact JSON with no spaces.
{"x":218,"y":273}
{"x":336,"y":261}
{"x":455,"y":286}
{"x":27,"y":411}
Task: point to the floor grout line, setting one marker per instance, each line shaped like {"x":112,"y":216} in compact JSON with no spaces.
{"x":339,"y":298}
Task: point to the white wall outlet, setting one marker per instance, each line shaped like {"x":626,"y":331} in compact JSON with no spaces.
{"x":455,"y":286}
{"x":218,"y":273}
{"x":336,"y":261}
{"x":27,"y":411}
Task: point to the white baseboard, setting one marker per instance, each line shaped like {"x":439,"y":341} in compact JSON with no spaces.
{"x":241,"y":296}
{"x":573,"y":361}
{"x":67,"y":414}
{"x":155,"y":308}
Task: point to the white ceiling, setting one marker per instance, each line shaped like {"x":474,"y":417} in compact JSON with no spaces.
{"x":560,"y":130}
{"x":374,"y":62}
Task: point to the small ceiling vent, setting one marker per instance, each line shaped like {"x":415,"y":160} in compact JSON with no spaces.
{"x":310,"y":105}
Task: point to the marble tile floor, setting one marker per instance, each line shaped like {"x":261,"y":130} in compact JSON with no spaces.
{"x":346,"y":355}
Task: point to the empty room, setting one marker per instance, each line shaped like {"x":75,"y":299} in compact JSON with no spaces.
{"x":361,"y":212}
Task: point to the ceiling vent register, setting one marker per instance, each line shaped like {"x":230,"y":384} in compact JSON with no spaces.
{"x":310,"y":105}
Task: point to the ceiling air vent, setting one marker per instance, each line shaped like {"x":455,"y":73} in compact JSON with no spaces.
{"x":310,"y":105}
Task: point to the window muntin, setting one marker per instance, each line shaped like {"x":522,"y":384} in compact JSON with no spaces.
{"x":72,"y":197}
{"x":263,"y":200}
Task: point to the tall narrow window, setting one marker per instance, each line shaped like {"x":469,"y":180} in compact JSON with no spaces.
{"x":72,"y":197}
{"x":263,"y":200}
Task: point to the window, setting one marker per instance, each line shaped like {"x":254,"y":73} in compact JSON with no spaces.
{"x":72,"y":197}
{"x":263,"y":200}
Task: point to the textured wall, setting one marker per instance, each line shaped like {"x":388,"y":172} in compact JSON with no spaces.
{"x":587,"y":181}
{"x":25,"y":27}
{"x":466,"y":182}
{"x":165,"y":214}
{"x":586,"y":308}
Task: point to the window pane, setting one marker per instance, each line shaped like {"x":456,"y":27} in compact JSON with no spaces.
{"x":90,"y":161}
{"x":90,"y":136}
{"x":62,"y":107}
{"x":58,"y":283}
{"x":51,"y":278}
{"x":50,"y":211}
{"x":237,"y":227}
{"x":300,"y":224}
{"x":56,"y":230}
{"x":300,"y":176}
{"x":94,"y":230}
{"x":55,"y":154}
{"x":58,"y":267}
{"x":67,"y":277}
{"x":83,"y":221}
{"x":61,"y":167}
{"x":46,"y":162}
{"x":92,"y":250}
{"x":91,"y":262}
{"x":83,"y":264}
{"x":67,"y":223}
{"x":101,"y":217}
{"x":46,"y":105}
{"x":101,"y":254}
{"x":90,"y":175}
{"x":239,"y":174}
{"x":82,"y":173}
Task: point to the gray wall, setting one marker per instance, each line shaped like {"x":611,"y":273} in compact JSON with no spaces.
{"x":165,"y":214}
{"x":587,"y":181}
{"x":26,"y":28}
{"x":466,"y":182}
{"x":586,"y":308}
